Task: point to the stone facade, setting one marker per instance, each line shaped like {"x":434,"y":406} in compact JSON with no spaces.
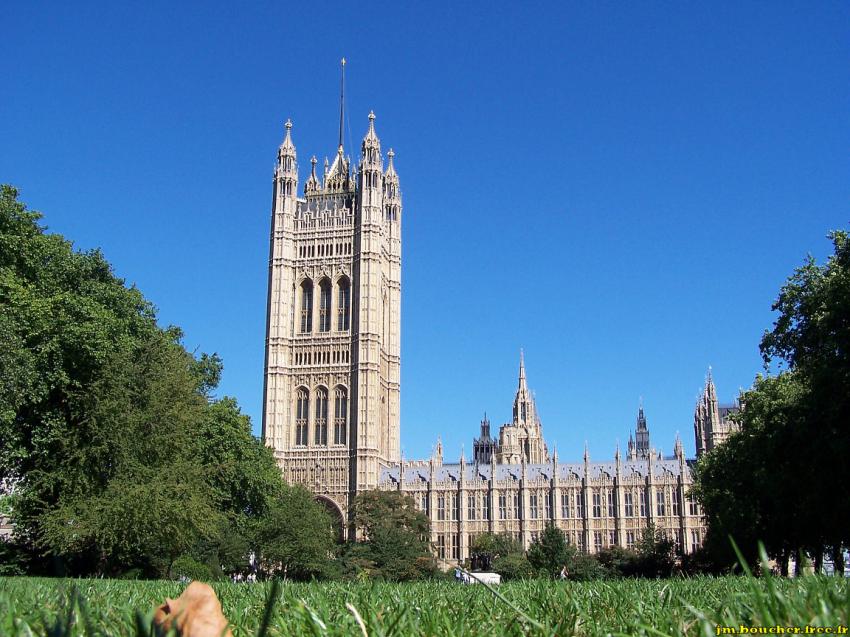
{"x":331,"y":397}
{"x":596,"y":504}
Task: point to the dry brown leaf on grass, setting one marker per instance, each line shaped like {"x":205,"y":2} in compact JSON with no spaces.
{"x":196,"y":613}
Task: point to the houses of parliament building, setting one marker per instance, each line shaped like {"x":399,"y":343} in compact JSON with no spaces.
{"x":332,"y":393}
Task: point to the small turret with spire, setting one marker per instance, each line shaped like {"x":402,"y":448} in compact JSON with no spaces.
{"x":286,"y":170}
{"x":312,"y":185}
{"x":678,"y":450}
{"x":639,"y":447}
{"x":371,"y":167}
{"x":392,"y":193}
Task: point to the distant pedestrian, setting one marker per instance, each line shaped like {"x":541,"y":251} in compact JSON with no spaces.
{"x":564,"y":573}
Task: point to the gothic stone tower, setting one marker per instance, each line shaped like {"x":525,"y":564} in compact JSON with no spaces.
{"x":331,"y":394}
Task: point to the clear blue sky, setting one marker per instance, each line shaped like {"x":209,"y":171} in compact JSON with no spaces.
{"x":618,"y":188}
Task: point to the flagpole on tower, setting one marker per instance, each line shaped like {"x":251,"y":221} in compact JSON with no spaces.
{"x":341,"y":100}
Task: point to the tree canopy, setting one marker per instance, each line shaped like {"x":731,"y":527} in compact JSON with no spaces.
{"x":120,"y":456}
{"x":782,"y":479}
{"x":394,"y":537}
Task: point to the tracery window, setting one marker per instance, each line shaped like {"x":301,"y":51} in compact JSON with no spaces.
{"x":503,"y":507}
{"x":612,"y":504}
{"x":597,"y":541}
{"x":306,"y":307}
{"x":695,"y":540}
{"x":343,"y":306}
{"x":340,"y":415}
{"x":485,"y":508}
{"x":661,"y":508}
{"x":321,"y":424}
{"x":325,"y":306}
{"x":693,"y":506}
{"x":532,"y":504}
{"x":455,"y":507}
{"x":472,"y":508}
{"x":629,"y":504}
{"x":643,"y":502}
{"x":677,"y":502}
{"x":565,"y":505}
{"x":630,"y":539}
{"x":597,"y":504}
{"x":441,"y":507}
{"x":517,"y":510}
{"x":302,"y":412}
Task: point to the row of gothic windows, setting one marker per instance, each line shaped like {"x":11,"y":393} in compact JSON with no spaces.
{"x":572,"y":505}
{"x":323,"y":358}
{"x":343,"y":305}
{"x":324,"y":250}
{"x":320,"y":420}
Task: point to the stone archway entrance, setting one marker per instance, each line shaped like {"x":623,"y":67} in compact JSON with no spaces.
{"x":336,"y":515}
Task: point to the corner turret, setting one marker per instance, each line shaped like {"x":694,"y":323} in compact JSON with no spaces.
{"x":286,"y":171}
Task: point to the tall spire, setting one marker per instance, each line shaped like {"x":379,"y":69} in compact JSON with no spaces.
{"x":522,"y":381}
{"x":341,"y":101}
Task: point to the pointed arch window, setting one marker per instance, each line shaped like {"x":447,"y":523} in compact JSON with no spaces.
{"x":340,"y":415}
{"x":302,"y":410}
{"x":325,"y":306}
{"x":343,"y":305}
{"x":306,"y":307}
{"x":321,"y":423}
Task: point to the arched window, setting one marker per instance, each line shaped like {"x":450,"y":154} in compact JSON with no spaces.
{"x":325,"y":306}
{"x":302,"y":411}
{"x":343,"y":305}
{"x":321,"y":424}
{"x":306,"y":307}
{"x":340,"y":415}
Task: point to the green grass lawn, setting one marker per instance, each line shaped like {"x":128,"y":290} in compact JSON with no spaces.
{"x":30,"y":606}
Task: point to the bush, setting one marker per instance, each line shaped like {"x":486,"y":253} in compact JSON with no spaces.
{"x":187,"y":566}
{"x":513,"y":566}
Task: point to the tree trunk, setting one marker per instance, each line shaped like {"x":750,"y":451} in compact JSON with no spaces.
{"x":783,"y":562}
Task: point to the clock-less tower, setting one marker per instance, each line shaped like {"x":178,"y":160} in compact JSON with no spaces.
{"x":331,"y":391}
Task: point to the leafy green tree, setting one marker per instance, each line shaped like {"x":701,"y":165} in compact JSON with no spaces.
{"x":550,"y":553}
{"x":394,"y":536}
{"x":296,"y":538}
{"x":770,"y":482}
{"x":618,"y":561}
{"x":656,"y":553}
{"x":811,"y":337}
{"x":245,"y":480}
{"x":747,"y":484}
{"x":120,"y":456}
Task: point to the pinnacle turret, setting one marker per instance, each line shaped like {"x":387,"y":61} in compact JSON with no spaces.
{"x":286,"y":170}
{"x":287,"y":147}
{"x":391,"y":168}
{"x":312,"y":184}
